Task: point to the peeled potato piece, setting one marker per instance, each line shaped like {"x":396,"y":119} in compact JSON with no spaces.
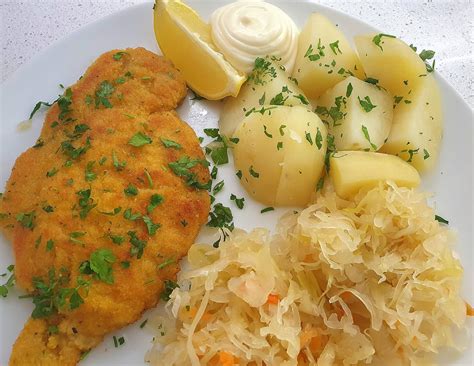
{"x":358,"y":114}
{"x":267,"y":84}
{"x":324,"y":57}
{"x":417,"y":127}
{"x":352,"y":170}
{"x":392,"y":62}
{"x":280,"y":154}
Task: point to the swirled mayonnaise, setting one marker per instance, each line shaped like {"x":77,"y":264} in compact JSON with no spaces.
{"x":245,"y":30}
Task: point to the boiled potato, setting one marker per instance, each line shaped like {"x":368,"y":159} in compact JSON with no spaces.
{"x":392,"y":62}
{"x":324,"y":57}
{"x":352,"y":170}
{"x":267,"y":84}
{"x":280,"y":154}
{"x":358,"y":114}
{"x":417,"y":126}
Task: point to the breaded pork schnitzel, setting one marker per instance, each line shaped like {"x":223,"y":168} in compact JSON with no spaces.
{"x":105,"y":204}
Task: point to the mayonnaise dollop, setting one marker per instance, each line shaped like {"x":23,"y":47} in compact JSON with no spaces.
{"x":245,"y":30}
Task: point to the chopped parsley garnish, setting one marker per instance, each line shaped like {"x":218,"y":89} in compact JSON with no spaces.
{"x":10,"y":281}
{"x":378,"y":39}
{"x":279,"y":145}
{"x":221,"y":217}
{"x":131,"y":190}
{"x":100,"y":265}
{"x":397,"y":99}
{"x":239,"y":202}
{"x":79,"y":130}
{"x":143,"y":323}
{"x":320,"y":184}
{"x":166,"y":263}
{"x":74,"y":152}
{"x":127,"y":214}
{"x":214,"y":172}
{"x":219,"y":155}
{"x":118,"y":56}
{"x":27,"y":219}
{"x":261,"y":101}
{"x":212,"y":132}
{"x":234,"y":140}
{"x":426,"y":154}
{"x":269,"y":135}
{"x":37,"y":107}
{"x":51,"y":295}
{"x":253,"y":173}
{"x":49,"y":245}
{"x":53,"y":329}
{"x":365,"y":131}
{"x":309,"y":138}
{"x":441,"y":220}
{"x":102,"y":94}
{"x":89,"y":175}
{"x":334,"y":112}
{"x":118,"y":341}
{"x":278,"y":99}
{"x":170,"y":144}
{"x":267,"y":209}
{"x":116,"y":239}
{"x":335,"y":47}
{"x":155,"y":201}
{"x":74,"y":237}
{"x":52,"y":172}
{"x":262,"y":68}
{"x":282,"y":127}
{"x":319,"y":139}
{"x":428,"y":55}
{"x":239,"y":174}
{"x":366,"y":104}
{"x":261,"y":110}
{"x":372,"y":81}
{"x":315,"y":56}
{"x":411,"y":153}
{"x":125,"y":264}
{"x":349,"y":90}
{"x":150,"y":225}
{"x":168,"y":289}
{"x":64,"y":101}
{"x":218,"y":187}
{"x":119,"y":165}
{"x":140,"y":139}
{"x":137,"y":245}
{"x":48,"y":208}
{"x":38,"y":241}
{"x":86,"y":203}
{"x":182,"y":167}
{"x":302,"y":98}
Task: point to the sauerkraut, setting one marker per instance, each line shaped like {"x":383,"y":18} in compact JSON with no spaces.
{"x":367,"y":281}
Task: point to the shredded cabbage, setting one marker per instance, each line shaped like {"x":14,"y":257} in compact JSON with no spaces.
{"x":367,"y":281}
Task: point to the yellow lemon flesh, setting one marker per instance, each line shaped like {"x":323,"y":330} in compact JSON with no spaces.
{"x":186,"y":40}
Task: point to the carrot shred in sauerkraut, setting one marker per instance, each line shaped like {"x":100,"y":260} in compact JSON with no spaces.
{"x":367,"y":281}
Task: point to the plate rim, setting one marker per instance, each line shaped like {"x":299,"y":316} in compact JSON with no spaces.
{"x":446,"y":87}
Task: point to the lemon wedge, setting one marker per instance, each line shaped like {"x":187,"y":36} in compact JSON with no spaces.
{"x":186,"y":40}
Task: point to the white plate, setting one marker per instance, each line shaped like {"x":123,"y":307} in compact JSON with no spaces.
{"x":65,"y":61}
